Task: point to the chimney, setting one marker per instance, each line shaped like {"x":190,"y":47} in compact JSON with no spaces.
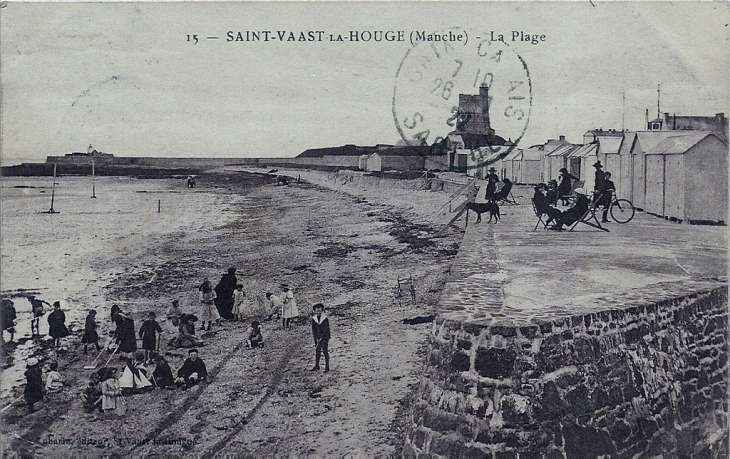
{"x":484,"y":89}
{"x":720,"y":115}
{"x":562,"y":137}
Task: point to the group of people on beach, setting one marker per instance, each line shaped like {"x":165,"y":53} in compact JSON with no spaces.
{"x":56,"y":319}
{"x":147,"y":368}
{"x":548,"y":194}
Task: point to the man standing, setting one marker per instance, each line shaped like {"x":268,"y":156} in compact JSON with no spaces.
{"x":600,"y":177}
{"x":606,"y":195}
{"x":321,"y":333}
{"x":492,"y":180}
{"x":193,"y":370}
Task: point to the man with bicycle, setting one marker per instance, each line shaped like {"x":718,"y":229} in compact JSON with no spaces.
{"x":606,"y":195}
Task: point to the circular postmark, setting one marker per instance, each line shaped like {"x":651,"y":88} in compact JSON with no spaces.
{"x":440,"y":88}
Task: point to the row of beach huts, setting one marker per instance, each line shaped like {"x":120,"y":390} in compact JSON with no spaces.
{"x":681,"y":175}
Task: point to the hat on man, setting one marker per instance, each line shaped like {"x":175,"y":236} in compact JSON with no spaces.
{"x":492,"y":169}
{"x":32,"y":362}
{"x":598,"y":165}
{"x":580,"y":191}
{"x":231,"y":270}
{"x":563,"y":170}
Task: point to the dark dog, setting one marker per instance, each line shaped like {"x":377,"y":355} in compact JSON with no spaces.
{"x":480,"y":208}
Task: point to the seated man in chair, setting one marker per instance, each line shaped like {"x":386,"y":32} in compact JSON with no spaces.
{"x":575,"y":213}
{"x":542,"y":206}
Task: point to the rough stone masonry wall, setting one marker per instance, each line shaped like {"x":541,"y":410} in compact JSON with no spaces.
{"x":642,"y":380}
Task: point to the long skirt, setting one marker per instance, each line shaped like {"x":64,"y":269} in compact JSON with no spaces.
{"x":208,"y":311}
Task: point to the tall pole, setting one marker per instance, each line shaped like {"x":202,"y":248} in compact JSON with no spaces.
{"x":658,"y":94}
{"x":93,"y":181}
{"x":623,"y":112}
{"x":53,"y":191}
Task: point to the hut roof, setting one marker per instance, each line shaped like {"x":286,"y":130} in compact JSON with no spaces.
{"x":583,"y":151}
{"x":563,"y":150}
{"x":513,"y":155}
{"x":678,"y":144}
{"x":649,"y":139}
{"x":609,"y":145}
{"x":626,"y":143}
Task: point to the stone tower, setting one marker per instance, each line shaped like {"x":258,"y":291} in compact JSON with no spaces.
{"x":474,"y":113}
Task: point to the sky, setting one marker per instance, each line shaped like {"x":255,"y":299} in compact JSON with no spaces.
{"x":124,"y":77}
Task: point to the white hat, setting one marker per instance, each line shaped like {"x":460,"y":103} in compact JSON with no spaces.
{"x":580,"y":191}
{"x":32,"y":362}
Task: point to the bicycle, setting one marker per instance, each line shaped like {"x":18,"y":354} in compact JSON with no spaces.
{"x":621,"y":210}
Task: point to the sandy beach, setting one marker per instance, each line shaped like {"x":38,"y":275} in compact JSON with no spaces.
{"x":345,"y":246}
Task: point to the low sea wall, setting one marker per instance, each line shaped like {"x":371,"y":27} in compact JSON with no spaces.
{"x":637,"y":374}
{"x":542,"y":348}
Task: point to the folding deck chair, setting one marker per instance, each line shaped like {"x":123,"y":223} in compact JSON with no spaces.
{"x":589,"y":217}
{"x":504,"y":195}
{"x":539,"y":215}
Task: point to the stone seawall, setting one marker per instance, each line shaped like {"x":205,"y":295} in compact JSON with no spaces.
{"x":646,"y":377}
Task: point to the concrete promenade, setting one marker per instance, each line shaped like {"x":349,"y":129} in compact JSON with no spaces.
{"x":508,"y":273}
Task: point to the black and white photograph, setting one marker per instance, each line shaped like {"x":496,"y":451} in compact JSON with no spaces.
{"x":435,"y":229}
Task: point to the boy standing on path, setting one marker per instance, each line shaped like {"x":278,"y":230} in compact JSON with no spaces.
{"x":321,"y":332}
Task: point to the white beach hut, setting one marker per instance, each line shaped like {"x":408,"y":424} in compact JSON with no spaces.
{"x":687,"y":178}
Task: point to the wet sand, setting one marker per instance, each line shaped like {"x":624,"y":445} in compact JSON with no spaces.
{"x":344,"y":247}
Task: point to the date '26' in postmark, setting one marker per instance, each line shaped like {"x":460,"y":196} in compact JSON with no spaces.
{"x":433,"y":74}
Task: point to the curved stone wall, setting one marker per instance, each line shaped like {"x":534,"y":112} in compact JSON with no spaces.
{"x":645,"y":377}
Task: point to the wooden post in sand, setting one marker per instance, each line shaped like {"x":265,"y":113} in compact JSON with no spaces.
{"x":159,"y":204}
{"x":93,"y":179}
{"x":53,"y":192}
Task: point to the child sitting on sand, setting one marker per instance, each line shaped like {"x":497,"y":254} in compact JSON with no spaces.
{"x":92,"y":394}
{"x":255,"y":338}
{"x":162,"y":376}
{"x":112,"y":401}
{"x":54,"y":379}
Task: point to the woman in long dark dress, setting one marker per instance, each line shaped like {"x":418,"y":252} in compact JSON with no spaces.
{"x":57,"y":323}
{"x":224,"y":294}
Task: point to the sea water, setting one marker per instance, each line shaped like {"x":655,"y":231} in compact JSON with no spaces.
{"x":53,"y":255}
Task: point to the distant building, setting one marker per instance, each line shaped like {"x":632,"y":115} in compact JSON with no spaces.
{"x":369,"y":158}
{"x":594,"y":134}
{"x":717,"y":124}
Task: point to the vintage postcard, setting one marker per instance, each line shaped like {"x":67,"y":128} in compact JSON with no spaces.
{"x":355,"y":229}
